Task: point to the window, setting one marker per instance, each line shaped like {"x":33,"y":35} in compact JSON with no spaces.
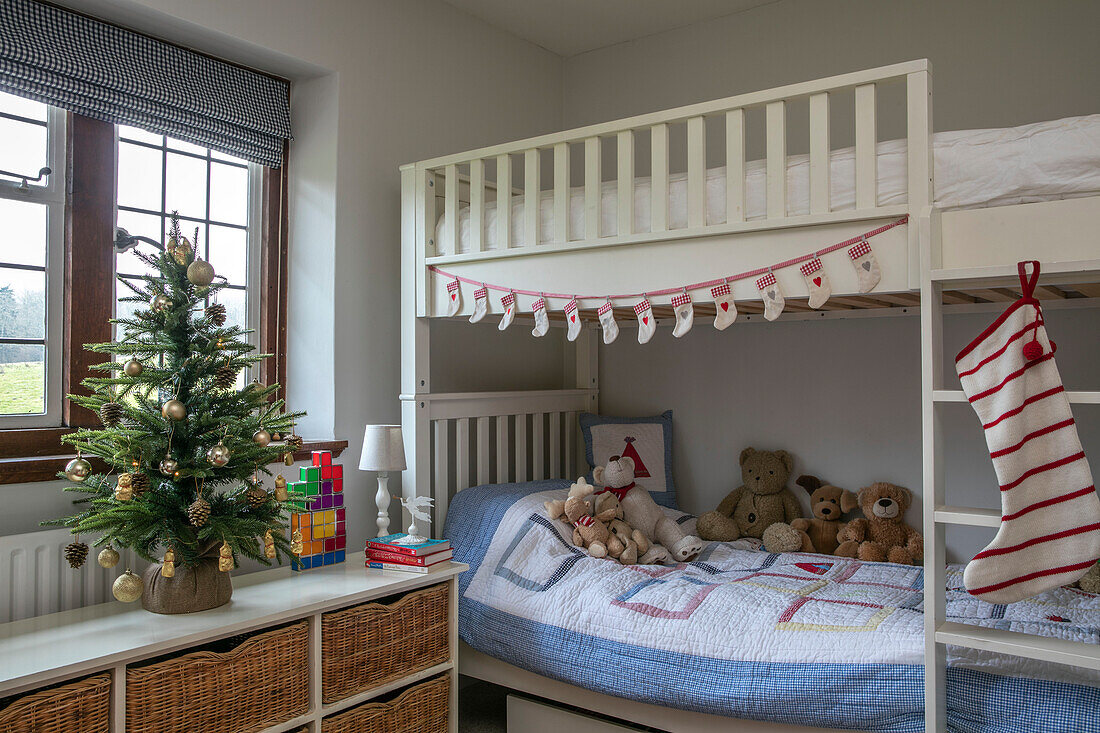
{"x":32,"y":227}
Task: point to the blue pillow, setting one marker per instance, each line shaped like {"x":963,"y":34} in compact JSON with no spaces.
{"x":647,"y":440}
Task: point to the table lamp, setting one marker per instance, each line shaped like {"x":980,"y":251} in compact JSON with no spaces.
{"x":383,"y":451}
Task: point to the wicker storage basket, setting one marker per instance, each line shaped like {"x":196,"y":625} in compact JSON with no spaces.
{"x":422,"y":708}
{"x":258,"y":683}
{"x":74,"y":707}
{"x":376,"y":643}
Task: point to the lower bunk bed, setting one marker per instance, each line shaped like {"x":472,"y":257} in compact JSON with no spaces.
{"x":799,"y":639}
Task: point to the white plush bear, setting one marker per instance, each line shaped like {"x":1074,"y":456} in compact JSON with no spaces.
{"x":642,"y":513}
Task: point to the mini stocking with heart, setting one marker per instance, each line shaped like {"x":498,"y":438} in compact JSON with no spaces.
{"x":817,"y":282}
{"x":1050,"y":514}
{"x":481,"y":304}
{"x":573,"y":320}
{"x":607,"y":322}
{"x":508,"y":302}
{"x":771,"y":295}
{"x":542,"y":321}
{"x":646,"y":323}
{"x":454,"y":296}
{"x":725,"y":311}
{"x":867,"y":269}
{"x":685,"y":314}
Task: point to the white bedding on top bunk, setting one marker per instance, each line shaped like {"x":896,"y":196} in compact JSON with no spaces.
{"x":973,"y":169}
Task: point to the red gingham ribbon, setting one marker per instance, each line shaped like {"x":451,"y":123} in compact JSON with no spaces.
{"x":811,"y":267}
{"x":482,"y":292}
{"x":718,"y":292}
{"x":765,"y":281}
{"x":642,"y":307}
{"x":681,"y":299}
{"x":603,"y":309}
{"x":452,"y":286}
{"x":571,"y":306}
{"x":539,"y":305}
{"x":508,"y":299}
{"x":859,"y":250}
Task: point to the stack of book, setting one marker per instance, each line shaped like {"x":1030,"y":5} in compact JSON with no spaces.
{"x":383,"y":554}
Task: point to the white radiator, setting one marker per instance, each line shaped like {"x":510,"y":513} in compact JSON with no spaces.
{"x":35,"y":578}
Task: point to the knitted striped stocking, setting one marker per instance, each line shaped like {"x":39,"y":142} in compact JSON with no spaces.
{"x":1050,"y":513}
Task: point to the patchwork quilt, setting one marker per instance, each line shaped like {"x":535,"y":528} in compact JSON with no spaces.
{"x":809,"y":639}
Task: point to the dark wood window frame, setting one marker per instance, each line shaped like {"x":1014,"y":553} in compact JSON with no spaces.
{"x":36,"y":454}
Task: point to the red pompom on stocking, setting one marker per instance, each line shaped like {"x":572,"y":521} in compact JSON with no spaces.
{"x":1050,"y":513}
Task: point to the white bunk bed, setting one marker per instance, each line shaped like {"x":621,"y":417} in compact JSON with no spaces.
{"x":464,"y":217}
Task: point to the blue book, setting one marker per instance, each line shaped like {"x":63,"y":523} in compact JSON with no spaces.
{"x":418,"y":550}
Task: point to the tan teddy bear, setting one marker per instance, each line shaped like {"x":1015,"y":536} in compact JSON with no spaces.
{"x":762,"y":500}
{"x":590,"y":531}
{"x":882,"y":535}
{"x":828,"y":504}
{"x":1090,"y":581}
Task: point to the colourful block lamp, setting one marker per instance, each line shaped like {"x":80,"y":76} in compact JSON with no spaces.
{"x":383,"y":451}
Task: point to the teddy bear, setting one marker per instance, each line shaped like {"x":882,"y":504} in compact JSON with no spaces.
{"x":881,"y":534}
{"x":590,"y":530}
{"x":638,"y":547}
{"x":762,"y":500}
{"x":641,"y":512}
{"x":1090,"y":581}
{"x":828,"y":504}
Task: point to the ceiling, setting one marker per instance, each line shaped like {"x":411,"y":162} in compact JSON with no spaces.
{"x":570,"y":27}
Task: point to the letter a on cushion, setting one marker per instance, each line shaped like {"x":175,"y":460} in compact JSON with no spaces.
{"x":1050,"y":513}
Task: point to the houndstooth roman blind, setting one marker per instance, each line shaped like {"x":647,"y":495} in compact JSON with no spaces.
{"x":109,"y":73}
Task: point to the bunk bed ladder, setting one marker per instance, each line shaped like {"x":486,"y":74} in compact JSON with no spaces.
{"x":939,"y":632}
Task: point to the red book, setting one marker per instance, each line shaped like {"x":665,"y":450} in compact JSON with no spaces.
{"x":396,"y":557}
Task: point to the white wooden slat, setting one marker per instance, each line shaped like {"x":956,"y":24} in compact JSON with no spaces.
{"x":625,"y":164}
{"x":777,"y":159}
{"x":502,"y":449}
{"x":477,"y":205}
{"x":735,"y":165}
{"x":555,"y":445}
{"x":538,"y":446}
{"x":561,"y":192}
{"x":521,"y":447}
{"x":819,"y":153}
{"x":462,"y":454}
{"x":697,"y":172}
{"x":866,"y":132}
{"x":504,"y":201}
{"x":570,"y":445}
{"x":658,"y":143}
{"x":531,"y":191}
{"x":442,"y":490}
{"x":592,"y":182}
{"x":450,"y":211}
{"x":482,"y":450}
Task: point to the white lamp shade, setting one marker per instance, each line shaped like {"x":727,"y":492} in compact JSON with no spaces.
{"x":383,"y":449}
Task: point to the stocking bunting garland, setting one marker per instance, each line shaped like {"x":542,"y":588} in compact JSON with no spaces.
{"x":817,"y":282}
{"x":646,"y":323}
{"x":573,"y":320}
{"x":725,"y":311}
{"x":481,"y":304}
{"x":542,"y":321}
{"x":867,"y":269}
{"x":1050,"y":514}
{"x":685,"y":314}
{"x":607,"y":322}
{"x":454,"y":296}
{"x":771,"y":295}
{"x":508,"y":302}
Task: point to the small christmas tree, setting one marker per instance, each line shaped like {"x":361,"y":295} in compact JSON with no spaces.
{"x":182,"y":444}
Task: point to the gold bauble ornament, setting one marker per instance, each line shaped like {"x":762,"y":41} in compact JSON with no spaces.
{"x":127,"y":587}
{"x":280,"y":488}
{"x":160,"y":303}
{"x":168,"y":564}
{"x":133,"y":368}
{"x":77,"y":469}
{"x":169,"y":466}
{"x":200,"y":273}
{"x":225,"y":558}
{"x":173,"y":410}
{"x":269,"y":545}
{"x":124,"y":490}
{"x":218,"y":455}
{"x":261,"y":437}
{"x":108,"y":557}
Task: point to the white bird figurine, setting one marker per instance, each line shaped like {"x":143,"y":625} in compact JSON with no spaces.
{"x":416,"y":506}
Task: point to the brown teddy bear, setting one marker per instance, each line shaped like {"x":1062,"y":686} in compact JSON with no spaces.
{"x":1090,"y":581}
{"x":828,"y":504}
{"x":882,"y":535}
{"x":762,"y":500}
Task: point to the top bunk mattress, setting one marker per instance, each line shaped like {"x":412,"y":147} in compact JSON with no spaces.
{"x":973,"y":169}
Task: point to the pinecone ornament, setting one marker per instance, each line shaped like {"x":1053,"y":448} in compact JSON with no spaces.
{"x":139,"y":482}
{"x":111,"y":414}
{"x":216,"y":313}
{"x":294,"y":441}
{"x":225,"y":377}
{"x":198,"y":512}
{"x":256,"y":496}
{"x":76,"y":553}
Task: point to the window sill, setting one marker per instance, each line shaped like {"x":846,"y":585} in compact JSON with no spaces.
{"x":38,"y":467}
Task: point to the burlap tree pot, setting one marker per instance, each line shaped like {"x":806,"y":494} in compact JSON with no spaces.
{"x":191,"y":589}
